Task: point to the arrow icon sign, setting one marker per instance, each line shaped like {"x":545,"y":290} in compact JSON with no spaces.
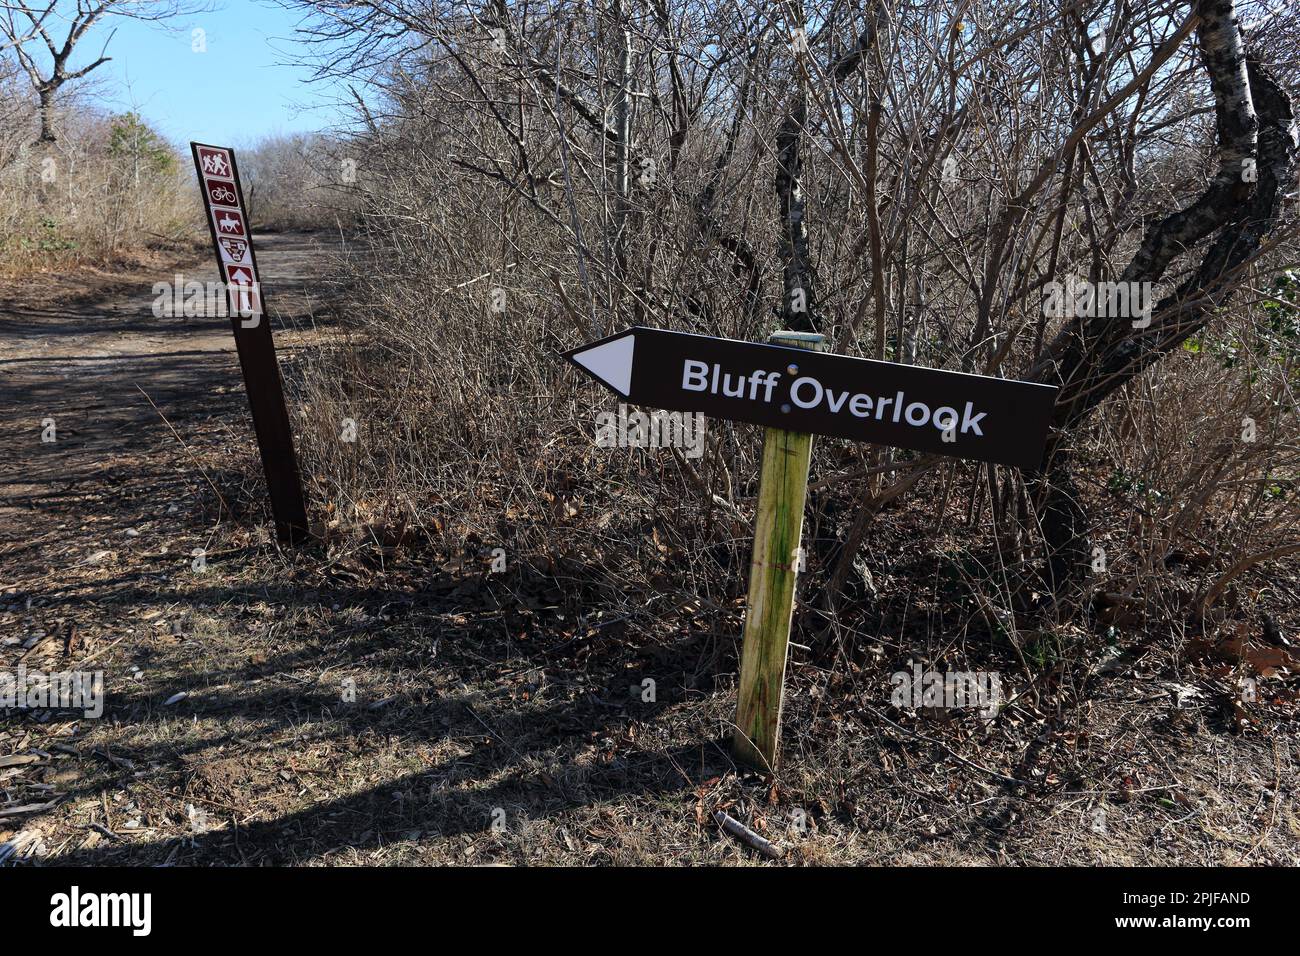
{"x":930,"y":410}
{"x":609,"y":361}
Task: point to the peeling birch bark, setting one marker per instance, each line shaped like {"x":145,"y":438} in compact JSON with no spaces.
{"x":1091,"y":358}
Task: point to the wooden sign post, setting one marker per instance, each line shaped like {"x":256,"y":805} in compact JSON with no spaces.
{"x":231,"y":230}
{"x":796,"y":390}
{"x":773,"y":571}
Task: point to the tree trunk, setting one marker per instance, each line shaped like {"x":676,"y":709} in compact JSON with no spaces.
{"x":46,"y":111}
{"x":792,"y":243}
{"x":1091,"y":358}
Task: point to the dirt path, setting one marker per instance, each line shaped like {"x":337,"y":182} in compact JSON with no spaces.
{"x":91,"y":361}
{"x":270,"y":707}
{"x":90,"y":356}
{"x":99,"y":523}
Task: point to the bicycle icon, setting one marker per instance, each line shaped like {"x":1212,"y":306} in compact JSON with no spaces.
{"x":222,"y":194}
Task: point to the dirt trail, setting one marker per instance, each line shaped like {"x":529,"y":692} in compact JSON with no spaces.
{"x":91,"y":361}
{"x":277,"y":706}
{"x":98,"y":526}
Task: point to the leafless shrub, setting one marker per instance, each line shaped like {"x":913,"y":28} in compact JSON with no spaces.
{"x":906,"y":179}
{"x":300,"y":181}
{"x":108,"y":187}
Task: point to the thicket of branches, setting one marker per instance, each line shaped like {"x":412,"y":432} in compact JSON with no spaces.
{"x":906,"y":178}
{"x":298,"y":181}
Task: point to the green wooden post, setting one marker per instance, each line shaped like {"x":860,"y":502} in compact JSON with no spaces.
{"x":782,"y":489}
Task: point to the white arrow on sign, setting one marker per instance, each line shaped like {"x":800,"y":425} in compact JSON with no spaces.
{"x":610,"y":361}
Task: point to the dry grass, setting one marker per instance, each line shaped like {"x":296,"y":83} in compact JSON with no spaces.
{"x":89,"y":199}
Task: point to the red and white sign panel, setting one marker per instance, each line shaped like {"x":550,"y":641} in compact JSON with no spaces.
{"x":221,"y":193}
{"x":237,"y":265}
{"x":242,"y":283}
{"x":234,"y":251}
{"x":230,"y":231}
{"x":215,"y":162}
{"x":230,"y":222}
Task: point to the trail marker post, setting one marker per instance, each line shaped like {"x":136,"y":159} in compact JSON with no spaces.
{"x":796,"y":390}
{"x":773,"y":571}
{"x":231,"y":230}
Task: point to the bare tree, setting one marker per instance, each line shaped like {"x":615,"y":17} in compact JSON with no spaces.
{"x":61,"y":26}
{"x":1093,"y":357}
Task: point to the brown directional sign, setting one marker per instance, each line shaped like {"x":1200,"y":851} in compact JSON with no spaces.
{"x":223,"y":198}
{"x":947,"y":413}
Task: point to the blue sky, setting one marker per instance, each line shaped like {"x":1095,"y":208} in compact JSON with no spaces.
{"x":241,"y":89}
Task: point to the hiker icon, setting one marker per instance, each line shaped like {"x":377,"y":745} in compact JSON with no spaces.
{"x":215,"y":164}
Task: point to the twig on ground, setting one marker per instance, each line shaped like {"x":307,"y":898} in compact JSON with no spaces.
{"x":745,"y":835}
